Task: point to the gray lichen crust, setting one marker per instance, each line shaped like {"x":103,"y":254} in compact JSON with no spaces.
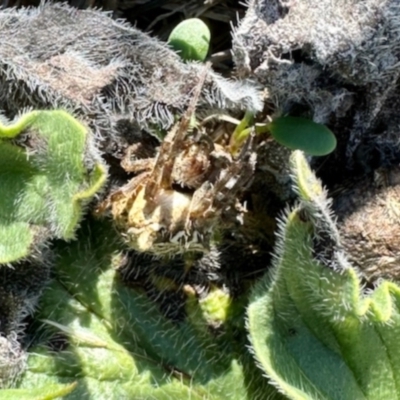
{"x":340,"y":59}
{"x":105,"y":70}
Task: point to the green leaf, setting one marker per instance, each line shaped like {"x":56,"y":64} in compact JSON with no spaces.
{"x":191,"y":38}
{"x":240,"y":134}
{"x":47,"y":392}
{"x":44,"y":182}
{"x":303,"y":134}
{"x":116,"y":344}
{"x":314,"y":331}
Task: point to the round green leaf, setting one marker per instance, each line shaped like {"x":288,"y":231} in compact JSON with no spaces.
{"x":303,"y":134}
{"x":191,"y":38}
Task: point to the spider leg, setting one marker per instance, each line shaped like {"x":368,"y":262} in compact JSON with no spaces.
{"x":145,"y":164}
{"x":235,"y":177}
{"x":172,"y":144}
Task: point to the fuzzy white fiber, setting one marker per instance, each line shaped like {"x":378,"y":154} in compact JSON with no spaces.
{"x":339,"y":58}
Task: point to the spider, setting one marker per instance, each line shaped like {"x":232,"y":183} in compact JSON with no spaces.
{"x":180,"y":197}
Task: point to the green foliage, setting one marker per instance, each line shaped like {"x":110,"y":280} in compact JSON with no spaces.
{"x":48,"y":392}
{"x":191,"y":38}
{"x":296,"y":133}
{"x":303,"y":134}
{"x":314,"y":332}
{"x":45,"y":179}
{"x":240,"y":133}
{"x":116,"y":344}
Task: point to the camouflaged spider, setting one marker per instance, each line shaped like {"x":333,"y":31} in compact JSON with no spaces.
{"x":177,"y":200}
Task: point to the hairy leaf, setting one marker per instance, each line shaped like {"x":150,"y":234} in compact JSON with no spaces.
{"x":116,"y":344}
{"x":48,"y":172}
{"x":105,"y":70}
{"x":314,"y":331}
{"x":47,"y":392}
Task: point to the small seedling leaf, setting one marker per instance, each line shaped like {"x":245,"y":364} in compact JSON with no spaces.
{"x":298,"y":133}
{"x":191,"y":38}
